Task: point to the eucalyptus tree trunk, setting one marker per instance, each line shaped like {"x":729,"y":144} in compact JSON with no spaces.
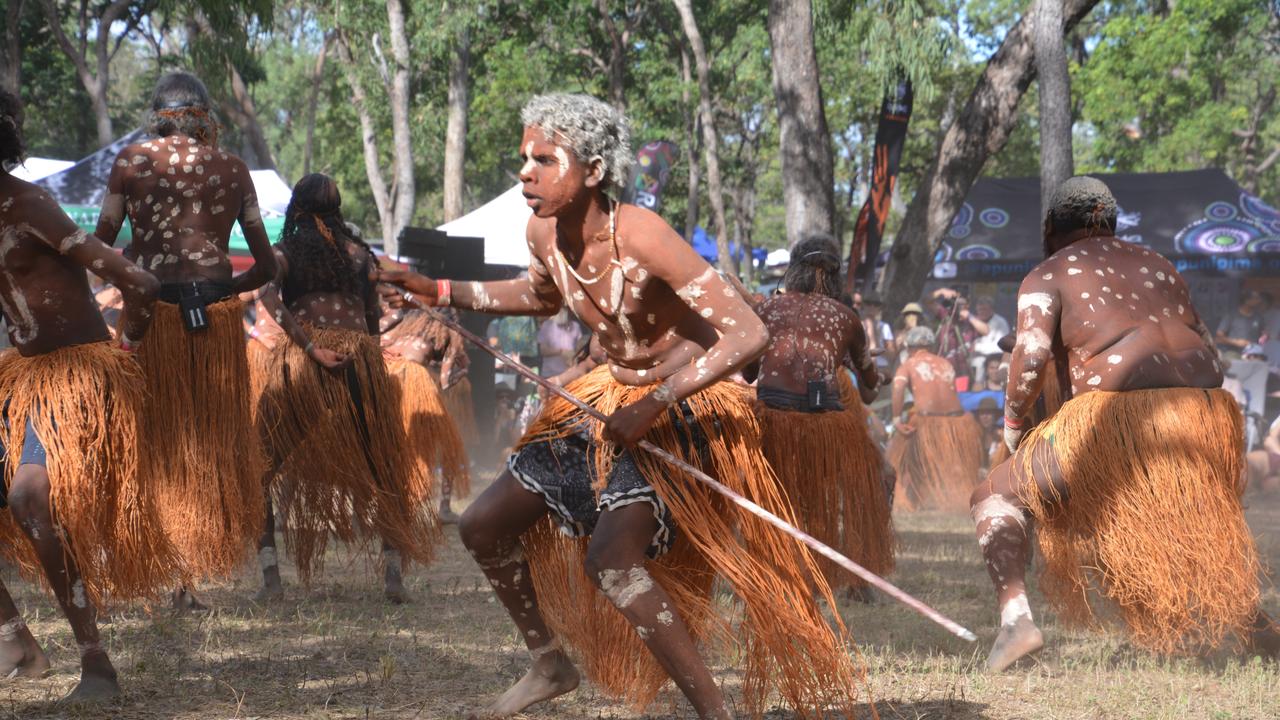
{"x":803,"y":142}
{"x":710,"y":143}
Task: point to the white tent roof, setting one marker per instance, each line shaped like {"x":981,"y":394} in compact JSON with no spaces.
{"x":273,"y":192}
{"x":781,"y":256}
{"x":34,"y":168}
{"x":501,"y":222}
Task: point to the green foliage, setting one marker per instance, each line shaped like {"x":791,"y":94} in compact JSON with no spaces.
{"x":1173,"y":91}
{"x":1188,"y":75}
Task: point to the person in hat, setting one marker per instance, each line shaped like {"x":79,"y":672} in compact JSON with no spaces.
{"x":936,"y":453}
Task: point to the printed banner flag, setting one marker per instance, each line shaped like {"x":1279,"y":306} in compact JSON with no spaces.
{"x":650,"y":173}
{"x":891,"y":135}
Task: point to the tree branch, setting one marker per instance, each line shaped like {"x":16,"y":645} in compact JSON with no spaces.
{"x":1265,"y":165}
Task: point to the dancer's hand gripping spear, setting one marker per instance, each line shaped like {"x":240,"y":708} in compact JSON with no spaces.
{"x":816,"y":545}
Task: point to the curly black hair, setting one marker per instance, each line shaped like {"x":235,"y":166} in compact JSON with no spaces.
{"x":815,"y":267}
{"x":316,"y":242}
{"x":12,"y":149}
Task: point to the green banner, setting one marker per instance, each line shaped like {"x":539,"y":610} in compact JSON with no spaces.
{"x":86,"y":216}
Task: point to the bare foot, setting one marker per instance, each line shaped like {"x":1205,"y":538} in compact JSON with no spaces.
{"x":97,"y":681}
{"x":1013,"y":643}
{"x":270,"y":592}
{"x":184,"y":600}
{"x":1264,"y":637}
{"x":552,"y":675}
{"x":394,"y":589}
{"x":22,"y":656}
{"x":272,"y":588}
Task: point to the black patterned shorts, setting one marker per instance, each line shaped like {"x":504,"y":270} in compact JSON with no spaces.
{"x":562,"y":471}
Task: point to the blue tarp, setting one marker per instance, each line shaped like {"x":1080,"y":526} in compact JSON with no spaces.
{"x":705,"y":245}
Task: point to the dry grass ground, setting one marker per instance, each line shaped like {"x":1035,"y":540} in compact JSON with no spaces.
{"x":339,"y":651}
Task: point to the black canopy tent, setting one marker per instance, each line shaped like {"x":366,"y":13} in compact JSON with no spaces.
{"x":1215,"y":233}
{"x":1201,"y":220}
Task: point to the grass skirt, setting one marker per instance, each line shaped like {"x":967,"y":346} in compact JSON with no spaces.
{"x":938,"y":464}
{"x":831,"y":471}
{"x":198,"y":445}
{"x":1152,"y":520}
{"x":433,"y":438}
{"x":342,"y":468}
{"x":784,"y":641}
{"x":85,"y":404}
{"x":459,"y":406}
{"x":259,"y":354}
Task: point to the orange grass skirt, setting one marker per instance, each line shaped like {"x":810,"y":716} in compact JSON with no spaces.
{"x":460,"y":407}
{"x":938,"y":464}
{"x":342,"y":469}
{"x":832,"y":472}
{"x":783,"y":640}
{"x":433,"y":438}
{"x":1152,"y":521}
{"x":205,"y":462}
{"x":85,"y":404}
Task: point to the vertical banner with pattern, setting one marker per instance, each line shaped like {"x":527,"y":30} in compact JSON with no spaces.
{"x":650,"y":173}
{"x":891,"y":135}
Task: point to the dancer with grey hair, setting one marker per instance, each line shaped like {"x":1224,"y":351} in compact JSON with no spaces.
{"x":579,"y":509}
{"x":1132,"y":482}
{"x":183,"y":195}
{"x":937,"y":451}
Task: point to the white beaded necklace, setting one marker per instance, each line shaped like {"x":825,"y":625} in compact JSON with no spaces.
{"x":613,"y":248}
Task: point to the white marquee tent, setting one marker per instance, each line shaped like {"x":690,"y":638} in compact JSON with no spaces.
{"x":35,"y":168}
{"x":501,"y":222}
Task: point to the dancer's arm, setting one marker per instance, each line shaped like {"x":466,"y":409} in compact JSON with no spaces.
{"x":743,"y":336}
{"x":901,"y":381}
{"x":138,"y":287}
{"x":255,"y":234}
{"x":864,"y":365}
{"x":111,"y":216}
{"x":535,"y":294}
{"x":1039,"y":308}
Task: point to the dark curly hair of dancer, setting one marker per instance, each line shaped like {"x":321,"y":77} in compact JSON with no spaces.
{"x":316,"y":242}
{"x":12,"y":149}
{"x":181,"y":106}
{"x":815,"y":267}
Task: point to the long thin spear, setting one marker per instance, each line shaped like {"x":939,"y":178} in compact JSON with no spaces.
{"x":816,"y":545}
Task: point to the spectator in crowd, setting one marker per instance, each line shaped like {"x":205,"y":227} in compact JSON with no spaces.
{"x":989,"y":415}
{"x":912,"y":315}
{"x":1242,"y":327}
{"x":956,"y":332}
{"x":879,"y":333}
{"x":994,"y":372}
{"x":559,"y":340}
{"x":990,"y":327}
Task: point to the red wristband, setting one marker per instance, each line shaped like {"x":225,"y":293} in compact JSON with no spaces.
{"x":1014,"y":424}
{"x":444,"y":293}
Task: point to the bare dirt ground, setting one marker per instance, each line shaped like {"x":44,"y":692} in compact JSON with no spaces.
{"x":340,"y":651}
